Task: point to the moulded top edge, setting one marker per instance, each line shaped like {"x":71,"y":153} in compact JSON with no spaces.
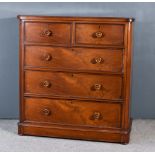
{"x":70,"y":18}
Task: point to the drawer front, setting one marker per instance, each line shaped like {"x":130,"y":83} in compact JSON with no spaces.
{"x":73,"y":112}
{"x":53,"y":33}
{"x":74,"y":58}
{"x":76,"y":85}
{"x":99,"y":34}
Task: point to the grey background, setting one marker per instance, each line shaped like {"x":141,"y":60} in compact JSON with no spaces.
{"x":143,"y":84}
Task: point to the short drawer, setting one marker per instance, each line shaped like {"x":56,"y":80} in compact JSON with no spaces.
{"x":52,"y":33}
{"x":73,"y":84}
{"x":99,"y":34}
{"x":85,"y":59}
{"x":72,"y":112}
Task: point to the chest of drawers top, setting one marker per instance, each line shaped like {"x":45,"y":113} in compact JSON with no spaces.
{"x":75,"y":76}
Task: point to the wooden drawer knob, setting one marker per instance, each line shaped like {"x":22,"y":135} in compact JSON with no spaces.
{"x":96,"y":87}
{"x":47,"y":33}
{"x":47,"y":57}
{"x":97,"y":60}
{"x":96,"y":116}
{"x":46,"y":112}
{"x":98,"y":34}
{"x":47,"y":84}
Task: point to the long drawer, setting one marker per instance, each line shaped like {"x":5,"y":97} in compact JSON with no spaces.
{"x":73,"y":84}
{"x":72,"y":112}
{"x":84,"y":59}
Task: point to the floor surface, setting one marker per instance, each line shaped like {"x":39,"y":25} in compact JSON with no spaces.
{"x":142,"y":139}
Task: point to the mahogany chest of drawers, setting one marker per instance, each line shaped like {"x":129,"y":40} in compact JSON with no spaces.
{"x":75,"y":77}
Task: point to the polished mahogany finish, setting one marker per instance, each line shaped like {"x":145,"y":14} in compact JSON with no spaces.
{"x":99,"y":34}
{"x":108,"y":60}
{"x":54,"y":33}
{"x":73,"y":84}
{"x":70,"y":112}
{"x":75,"y":77}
